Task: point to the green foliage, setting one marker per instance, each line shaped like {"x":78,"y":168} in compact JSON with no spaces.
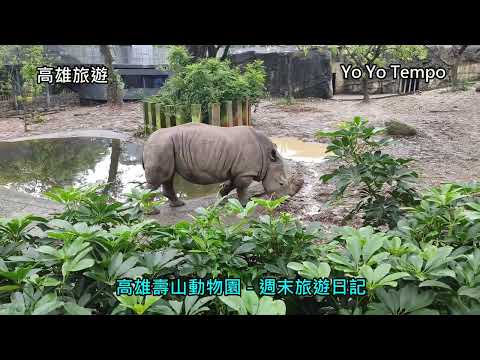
{"x":380,"y":55}
{"x":209,"y":81}
{"x":27,"y":58}
{"x":249,"y":304}
{"x":69,"y":264}
{"x":17,"y":230}
{"x":191,"y":305}
{"x":385,"y":183}
{"x":143,"y":201}
{"x":448,"y":214}
{"x":406,"y":301}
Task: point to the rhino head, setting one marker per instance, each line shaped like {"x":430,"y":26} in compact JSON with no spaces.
{"x":275,"y":180}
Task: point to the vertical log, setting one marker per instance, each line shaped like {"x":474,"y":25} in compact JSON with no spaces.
{"x":227,"y":114}
{"x":245,"y":112}
{"x":169,"y":115}
{"x":145,"y":117}
{"x":214,"y":118}
{"x":180,"y":115}
{"x":158,"y":117}
{"x":237,"y":113}
{"x":196,"y":113}
{"x":153,"y":117}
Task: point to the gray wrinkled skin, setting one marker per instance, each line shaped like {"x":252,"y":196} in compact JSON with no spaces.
{"x":205,"y":154}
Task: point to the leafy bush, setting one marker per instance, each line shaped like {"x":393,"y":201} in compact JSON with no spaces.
{"x":386,"y":184}
{"x":209,"y":81}
{"x":70,"y":263}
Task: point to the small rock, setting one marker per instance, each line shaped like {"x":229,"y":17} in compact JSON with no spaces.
{"x":397,"y":128}
{"x":477,"y":89}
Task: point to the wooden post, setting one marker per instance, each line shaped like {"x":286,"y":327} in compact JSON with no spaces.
{"x":153,"y":117}
{"x":226,"y":115}
{"x":150,"y":118}
{"x":197,"y":113}
{"x":180,"y":115}
{"x":158,"y":117}
{"x":214,"y":118}
{"x":237,"y":113}
{"x":245,"y":112}
{"x":169,"y":115}
{"x":145,"y":117}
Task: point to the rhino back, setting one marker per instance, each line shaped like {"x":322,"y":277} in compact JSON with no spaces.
{"x":207,"y":154}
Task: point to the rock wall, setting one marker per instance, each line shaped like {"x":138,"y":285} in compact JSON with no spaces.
{"x":311,"y":75}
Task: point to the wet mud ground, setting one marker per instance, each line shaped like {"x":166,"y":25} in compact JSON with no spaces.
{"x":445,"y":149}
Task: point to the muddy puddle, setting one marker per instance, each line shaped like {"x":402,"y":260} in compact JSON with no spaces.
{"x":297,"y":150}
{"x":36,"y":166}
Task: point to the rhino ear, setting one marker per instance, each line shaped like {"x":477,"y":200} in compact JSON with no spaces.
{"x":273,"y":155}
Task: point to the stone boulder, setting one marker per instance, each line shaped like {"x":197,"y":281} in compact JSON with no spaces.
{"x":397,"y":128}
{"x":477,"y":89}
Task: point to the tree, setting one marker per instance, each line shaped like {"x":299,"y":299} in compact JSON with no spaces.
{"x":362,"y":55}
{"x":20,"y":63}
{"x":451,"y":57}
{"x":115,"y":84}
{"x":207,"y":51}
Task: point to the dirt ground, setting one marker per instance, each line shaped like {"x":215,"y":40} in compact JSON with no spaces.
{"x":446,"y":147}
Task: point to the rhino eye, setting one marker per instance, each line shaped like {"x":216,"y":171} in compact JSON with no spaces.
{"x":273,"y":155}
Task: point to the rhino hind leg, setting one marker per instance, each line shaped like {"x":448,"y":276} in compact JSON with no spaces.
{"x":170,"y":194}
{"x":226,"y":188}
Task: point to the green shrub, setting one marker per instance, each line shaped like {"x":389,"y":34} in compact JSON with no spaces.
{"x":386,"y":184}
{"x":70,"y":263}
{"x":209,"y":81}
{"x":449,"y":214}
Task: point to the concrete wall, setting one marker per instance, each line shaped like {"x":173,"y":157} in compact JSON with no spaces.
{"x":311,"y":75}
{"x":469,"y":71}
{"x":122,"y":54}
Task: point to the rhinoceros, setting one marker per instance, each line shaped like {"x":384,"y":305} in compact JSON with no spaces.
{"x":205,"y":154}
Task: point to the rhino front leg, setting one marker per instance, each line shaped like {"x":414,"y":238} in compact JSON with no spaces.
{"x":242,"y":183}
{"x":169,"y":192}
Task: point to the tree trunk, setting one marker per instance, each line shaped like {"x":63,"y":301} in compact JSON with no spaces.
{"x":114,"y":160}
{"x":47,"y":94}
{"x":289,"y":77}
{"x":457,"y":57}
{"x":212,"y":51}
{"x":454,"y":73}
{"x":114,"y":90}
{"x":366,"y":96}
{"x":17,"y":89}
{"x":225,"y":53}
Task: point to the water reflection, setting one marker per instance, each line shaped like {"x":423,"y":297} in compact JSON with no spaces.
{"x":36,"y":166}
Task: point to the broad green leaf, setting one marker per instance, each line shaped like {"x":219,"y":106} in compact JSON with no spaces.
{"x":9,"y":287}
{"x":234,"y":302}
{"x":434,"y":283}
{"x":473,"y":293}
{"x":47,"y":304}
{"x":267,"y":306}
{"x":74,"y":309}
{"x":250,"y":300}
